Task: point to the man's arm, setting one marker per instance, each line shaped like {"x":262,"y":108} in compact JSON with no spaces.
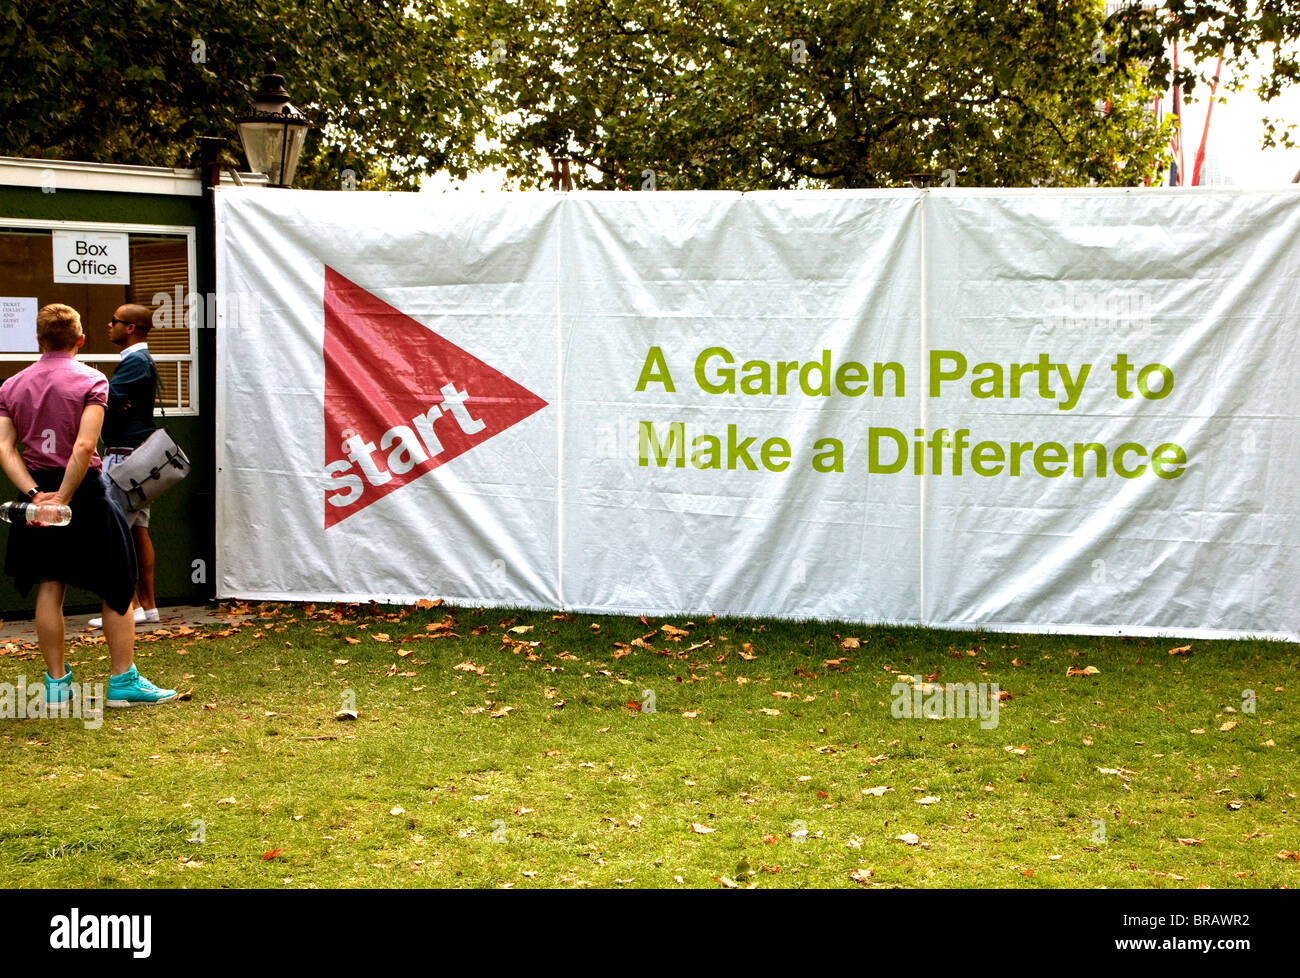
{"x":92,"y":419}
{"x":11,"y":460}
{"x":130,"y":371}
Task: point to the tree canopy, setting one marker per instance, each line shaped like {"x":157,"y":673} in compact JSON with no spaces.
{"x":842,"y":93}
{"x":390,"y":95}
{"x":734,"y":94}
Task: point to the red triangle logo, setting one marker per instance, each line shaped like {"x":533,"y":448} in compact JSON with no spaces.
{"x":400,"y":400}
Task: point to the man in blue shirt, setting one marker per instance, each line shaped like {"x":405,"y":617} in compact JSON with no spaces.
{"x":128,"y":421}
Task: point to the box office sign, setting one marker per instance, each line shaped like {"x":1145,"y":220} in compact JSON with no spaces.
{"x":92,"y":257}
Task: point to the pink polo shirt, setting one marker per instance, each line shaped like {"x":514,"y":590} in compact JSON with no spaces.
{"x":45,"y":402}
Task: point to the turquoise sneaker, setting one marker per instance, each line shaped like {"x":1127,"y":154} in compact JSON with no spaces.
{"x":132,"y":689}
{"x":59,"y":690}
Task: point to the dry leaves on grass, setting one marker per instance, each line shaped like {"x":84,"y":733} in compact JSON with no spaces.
{"x":1123,"y":772}
{"x":1085,"y":671}
{"x":468,"y":666}
{"x":877,"y":791}
{"x":728,"y":883}
{"x":700,"y":829}
{"x":861,"y":875}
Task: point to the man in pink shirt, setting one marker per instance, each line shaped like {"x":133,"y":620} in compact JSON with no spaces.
{"x":55,"y":408}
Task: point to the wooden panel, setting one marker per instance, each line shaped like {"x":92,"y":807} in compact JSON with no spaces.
{"x":160,"y":267}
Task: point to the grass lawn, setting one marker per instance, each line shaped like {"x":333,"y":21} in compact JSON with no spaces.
{"x":499,"y":748}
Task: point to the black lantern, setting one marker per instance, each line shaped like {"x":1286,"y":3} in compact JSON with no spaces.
{"x":273,"y":131}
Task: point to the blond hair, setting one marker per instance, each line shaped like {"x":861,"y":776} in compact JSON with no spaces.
{"x":58,"y":327}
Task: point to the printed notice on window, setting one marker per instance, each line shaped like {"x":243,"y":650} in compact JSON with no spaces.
{"x":18,"y":325}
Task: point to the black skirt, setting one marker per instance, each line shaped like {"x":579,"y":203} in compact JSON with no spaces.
{"x":94,"y":551}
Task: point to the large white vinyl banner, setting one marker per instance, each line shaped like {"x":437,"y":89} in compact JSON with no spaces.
{"x":1040,"y":410}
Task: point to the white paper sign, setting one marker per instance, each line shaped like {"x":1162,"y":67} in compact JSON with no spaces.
{"x":92,"y":257}
{"x":18,"y":324}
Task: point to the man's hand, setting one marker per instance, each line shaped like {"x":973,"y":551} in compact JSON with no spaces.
{"x":45,"y":497}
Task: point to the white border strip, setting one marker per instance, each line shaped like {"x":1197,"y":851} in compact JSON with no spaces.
{"x":219,"y":449}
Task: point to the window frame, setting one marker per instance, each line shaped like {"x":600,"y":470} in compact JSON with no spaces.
{"x":190,"y":359}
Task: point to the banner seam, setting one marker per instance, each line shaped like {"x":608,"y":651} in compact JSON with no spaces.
{"x":562,"y":211}
{"x":924,"y":411}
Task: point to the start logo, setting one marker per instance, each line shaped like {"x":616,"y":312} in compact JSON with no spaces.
{"x":400,"y":400}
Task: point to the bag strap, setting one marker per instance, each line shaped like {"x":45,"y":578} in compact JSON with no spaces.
{"x":157,"y":384}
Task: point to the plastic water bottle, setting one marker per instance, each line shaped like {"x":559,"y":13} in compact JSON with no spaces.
{"x":48,"y":514}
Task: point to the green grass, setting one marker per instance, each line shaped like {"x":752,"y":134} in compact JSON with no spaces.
{"x":577,"y":788}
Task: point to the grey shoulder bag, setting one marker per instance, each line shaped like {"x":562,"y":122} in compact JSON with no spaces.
{"x":154,"y":467}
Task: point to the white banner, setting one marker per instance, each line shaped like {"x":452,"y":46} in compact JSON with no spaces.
{"x":1040,"y":410}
